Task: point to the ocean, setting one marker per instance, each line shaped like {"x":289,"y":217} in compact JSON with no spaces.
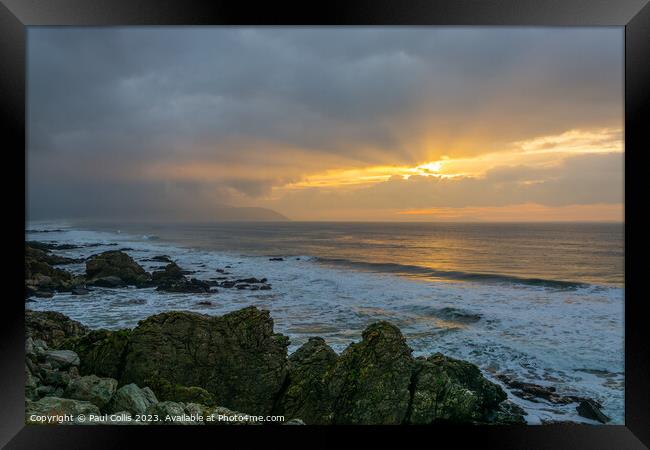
{"x":542,"y":303}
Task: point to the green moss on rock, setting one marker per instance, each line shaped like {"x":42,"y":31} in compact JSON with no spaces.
{"x":306,"y":395}
{"x":101,"y":352}
{"x":370,"y":380}
{"x":52,"y":327}
{"x":451,"y":390}
{"x":237,"y":358}
{"x":166,"y":391}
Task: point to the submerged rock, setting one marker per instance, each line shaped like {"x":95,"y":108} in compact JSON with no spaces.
{"x":192,"y":286}
{"x":117,"y":264}
{"x":457,"y":315}
{"x":161,"y":258}
{"x":109,"y":282}
{"x":235,"y":357}
{"x":534,"y":392}
{"x":590,"y":409}
{"x":80,"y":291}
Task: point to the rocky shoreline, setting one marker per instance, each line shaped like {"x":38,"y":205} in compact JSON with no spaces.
{"x":190,"y":365}
{"x":182,"y":363}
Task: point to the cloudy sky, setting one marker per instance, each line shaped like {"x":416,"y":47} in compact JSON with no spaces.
{"x":405,"y":124}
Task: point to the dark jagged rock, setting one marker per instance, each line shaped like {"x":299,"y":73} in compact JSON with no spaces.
{"x":458,"y":315}
{"x":161,"y":258}
{"x":306,"y":393}
{"x":251,"y":280}
{"x":40,"y":276}
{"x":451,"y":390}
{"x":276,"y":259}
{"x":228,"y":284}
{"x":117,"y":264}
{"x":80,"y":291}
{"x":42,"y":293}
{"x":169,"y":275}
{"x":102,"y":352}
{"x":52,"y":327}
{"x":590,"y":409}
{"x":235,"y":357}
{"x":109,"y":282}
{"x":46,"y":246}
{"x":370,"y":380}
{"x":192,"y":286}
{"x":534,"y":392}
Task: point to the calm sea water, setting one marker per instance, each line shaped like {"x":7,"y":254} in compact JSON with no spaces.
{"x":543,"y":303}
{"x":540,"y":252}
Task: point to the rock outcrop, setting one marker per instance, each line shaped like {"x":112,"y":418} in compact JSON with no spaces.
{"x":236,"y":357}
{"x":306,"y":394}
{"x":116,"y":264}
{"x":41,"y":279}
{"x":178,"y":363}
{"x":52,"y":327}
{"x":376,"y":381}
{"x":169,"y":275}
{"x":370,"y":382}
{"x":450,"y":390}
{"x":93,"y":389}
{"x":102,"y":352}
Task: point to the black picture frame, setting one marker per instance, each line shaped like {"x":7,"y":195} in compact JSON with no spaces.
{"x":634,"y":15}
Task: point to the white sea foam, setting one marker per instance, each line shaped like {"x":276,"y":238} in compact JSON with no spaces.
{"x":569,"y":339}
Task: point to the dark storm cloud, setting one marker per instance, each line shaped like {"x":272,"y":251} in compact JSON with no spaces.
{"x":104,"y":104}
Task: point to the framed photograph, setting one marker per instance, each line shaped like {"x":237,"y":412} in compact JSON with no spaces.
{"x":383,"y":220}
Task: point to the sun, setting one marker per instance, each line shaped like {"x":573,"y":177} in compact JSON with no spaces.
{"x":430,"y":167}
